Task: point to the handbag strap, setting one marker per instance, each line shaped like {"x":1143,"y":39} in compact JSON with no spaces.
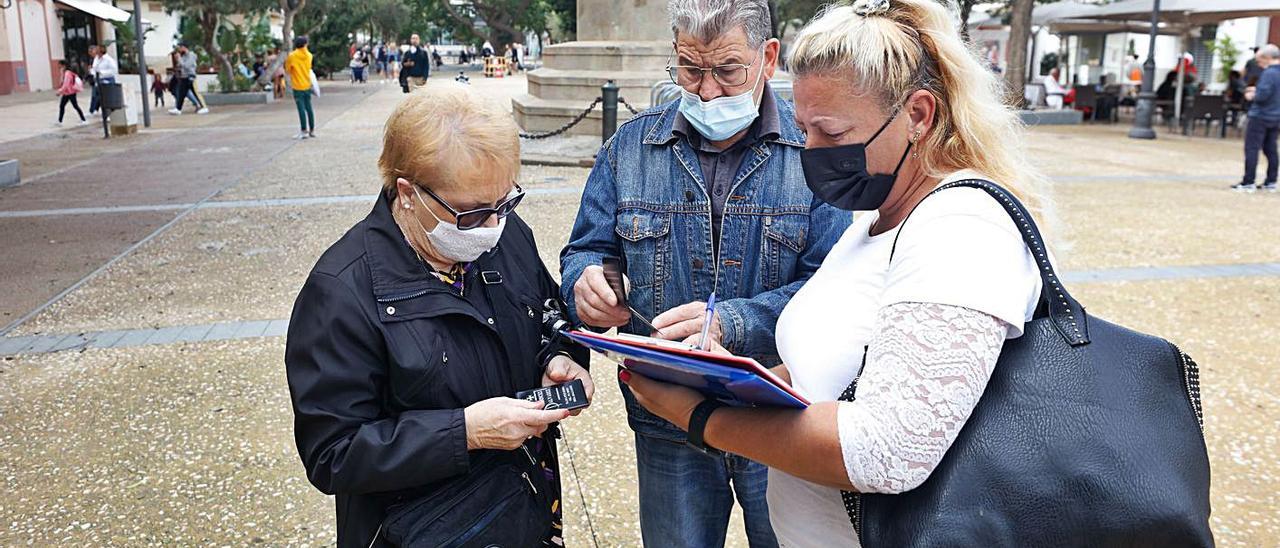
{"x":1066,"y":314}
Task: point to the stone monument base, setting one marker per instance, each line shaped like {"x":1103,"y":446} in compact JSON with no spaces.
{"x":571,"y":77}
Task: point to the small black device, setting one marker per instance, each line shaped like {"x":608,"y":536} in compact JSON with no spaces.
{"x":613,"y":269}
{"x":570,"y":395}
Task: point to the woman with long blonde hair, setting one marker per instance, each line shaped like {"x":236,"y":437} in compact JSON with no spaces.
{"x":894,"y":106}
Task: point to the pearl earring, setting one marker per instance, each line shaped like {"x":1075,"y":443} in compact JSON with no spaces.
{"x":407,"y":206}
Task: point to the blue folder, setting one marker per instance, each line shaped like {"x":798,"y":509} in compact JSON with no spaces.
{"x":731,"y":385}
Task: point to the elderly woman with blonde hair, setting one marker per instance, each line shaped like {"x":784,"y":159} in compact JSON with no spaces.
{"x":413,"y":334}
{"x":894,"y":106}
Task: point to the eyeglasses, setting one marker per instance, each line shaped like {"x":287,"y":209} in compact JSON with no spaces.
{"x":467,"y":220}
{"x":728,"y":75}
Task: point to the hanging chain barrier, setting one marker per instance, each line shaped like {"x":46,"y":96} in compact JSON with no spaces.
{"x":634,"y":110}
{"x":575,"y":121}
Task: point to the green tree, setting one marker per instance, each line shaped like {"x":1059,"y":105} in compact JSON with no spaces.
{"x":506,"y":19}
{"x":792,"y":14}
{"x":210,"y":15}
{"x":327,"y":24}
{"x":127,"y":45}
{"x":566,"y":14}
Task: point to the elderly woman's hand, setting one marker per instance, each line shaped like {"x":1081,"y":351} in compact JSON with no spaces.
{"x":505,"y":423}
{"x":562,"y":369}
{"x":669,"y":401}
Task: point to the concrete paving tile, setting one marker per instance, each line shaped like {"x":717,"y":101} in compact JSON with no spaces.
{"x":252,"y":329}
{"x":224,"y":330}
{"x":277,"y":328}
{"x":69,"y":343}
{"x":194,"y":333}
{"x":107,"y":339}
{"x":135,"y":338}
{"x":11,"y":345}
{"x":43,"y":344}
{"x":165,"y":335}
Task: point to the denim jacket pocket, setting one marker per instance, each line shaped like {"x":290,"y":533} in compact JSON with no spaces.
{"x":784,"y":240}
{"x":647,"y":243}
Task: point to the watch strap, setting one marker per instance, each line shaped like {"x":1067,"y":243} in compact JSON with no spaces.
{"x":698,"y":425}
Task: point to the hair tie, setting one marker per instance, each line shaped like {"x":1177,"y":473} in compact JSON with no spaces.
{"x":867,"y":8}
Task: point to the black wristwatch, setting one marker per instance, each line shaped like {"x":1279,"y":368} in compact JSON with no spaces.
{"x":698,"y":426}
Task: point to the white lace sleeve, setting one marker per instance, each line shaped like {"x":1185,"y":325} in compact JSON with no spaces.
{"x":925,"y":370}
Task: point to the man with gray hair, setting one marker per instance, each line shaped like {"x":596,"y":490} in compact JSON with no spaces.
{"x":1264,"y":121}
{"x":701,"y":197}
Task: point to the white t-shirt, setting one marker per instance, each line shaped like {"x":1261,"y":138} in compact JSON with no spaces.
{"x":959,"y":248}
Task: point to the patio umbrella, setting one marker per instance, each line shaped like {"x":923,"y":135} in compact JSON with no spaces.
{"x":1186,"y":13}
{"x":1176,"y":17}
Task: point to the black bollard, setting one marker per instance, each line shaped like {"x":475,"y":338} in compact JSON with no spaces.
{"x":609,"y":117}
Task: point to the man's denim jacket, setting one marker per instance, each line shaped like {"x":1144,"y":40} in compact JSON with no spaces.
{"x":646,"y":200}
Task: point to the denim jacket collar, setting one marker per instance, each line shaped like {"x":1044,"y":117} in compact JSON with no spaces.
{"x":662,"y":132}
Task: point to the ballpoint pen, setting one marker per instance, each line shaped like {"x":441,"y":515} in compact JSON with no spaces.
{"x":706,"y":323}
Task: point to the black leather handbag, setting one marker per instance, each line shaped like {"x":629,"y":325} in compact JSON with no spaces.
{"x":1088,"y":434}
{"x":503,"y":501}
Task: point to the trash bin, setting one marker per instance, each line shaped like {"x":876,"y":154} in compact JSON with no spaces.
{"x":112,"y":96}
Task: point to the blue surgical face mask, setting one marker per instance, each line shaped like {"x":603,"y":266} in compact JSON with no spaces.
{"x":722,"y":117}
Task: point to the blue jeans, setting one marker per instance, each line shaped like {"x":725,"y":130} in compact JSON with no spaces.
{"x":686,"y":496}
{"x":1260,"y":136}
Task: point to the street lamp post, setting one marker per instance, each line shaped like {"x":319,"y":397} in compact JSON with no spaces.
{"x":1147,"y":99}
{"x":142,"y":63}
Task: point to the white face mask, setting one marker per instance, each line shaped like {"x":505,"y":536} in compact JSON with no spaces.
{"x":722,"y":117}
{"x":459,"y":246}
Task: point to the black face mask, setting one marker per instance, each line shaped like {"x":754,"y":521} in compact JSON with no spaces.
{"x":838,"y":175}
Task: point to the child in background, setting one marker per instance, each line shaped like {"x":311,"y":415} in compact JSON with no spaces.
{"x":158,"y":87}
{"x":71,"y":85}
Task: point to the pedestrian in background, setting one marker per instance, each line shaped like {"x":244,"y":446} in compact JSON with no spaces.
{"x":380,"y":61}
{"x":393,"y":61}
{"x":71,"y":85}
{"x":358,"y":63}
{"x":104,"y":72}
{"x":417,"y":65}
{"x":187,"y":81}
{"x":298,"y":67}
{"x":1264,"y":121}
{"x":157,"y":87}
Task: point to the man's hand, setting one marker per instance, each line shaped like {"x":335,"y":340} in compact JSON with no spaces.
{"x":597,"y":305}
{"x":562,"y":369}
{"x":686,"y":321}
{"x":505,"y":423}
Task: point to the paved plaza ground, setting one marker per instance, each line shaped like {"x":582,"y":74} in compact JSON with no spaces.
{"x":147,"y":282}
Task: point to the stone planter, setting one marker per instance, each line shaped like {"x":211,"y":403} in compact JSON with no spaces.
{"x":239,"y":98}
{"x":1051,"y":117}
{"x":9,"y":175}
